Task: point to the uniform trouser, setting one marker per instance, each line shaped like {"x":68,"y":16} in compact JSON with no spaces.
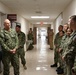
{"x":74,"y":67}
{"x":64,"y":68}
{"x":56,"y":55}
{"x":69,"y":66}
{"x":0,"y":61}
{"x":0,"y":67}
{"x":69,"y":63}
{"x":59,"y":60}
{"x":69,"y":69}
{"x":21,"y":54}
{"x":13,"y":58}
{"x":30,"y":47}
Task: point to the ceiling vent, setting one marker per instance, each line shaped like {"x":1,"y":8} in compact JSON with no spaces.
{"x":38,"y":12}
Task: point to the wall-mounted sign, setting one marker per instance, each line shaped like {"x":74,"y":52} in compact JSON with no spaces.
{"x":12,"y":17}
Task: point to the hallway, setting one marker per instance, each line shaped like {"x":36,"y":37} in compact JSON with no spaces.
{"x":39,"y":60}
{"x":34,"y":14}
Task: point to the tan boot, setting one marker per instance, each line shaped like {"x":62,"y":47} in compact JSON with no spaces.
{"x":25,"y":67}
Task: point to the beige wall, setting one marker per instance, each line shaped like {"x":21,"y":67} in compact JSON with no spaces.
{"x":4,"y":9}
{"x":64,"y":16}
{"x":24,"y":23}
{"x":57,"y":22}
{"x":69,"y":11}
{"x":44,"y":25}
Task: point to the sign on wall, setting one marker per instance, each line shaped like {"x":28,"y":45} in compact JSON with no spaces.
{"x":12,"y":17}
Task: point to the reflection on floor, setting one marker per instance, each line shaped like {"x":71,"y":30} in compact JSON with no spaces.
{"x":38,"y":60}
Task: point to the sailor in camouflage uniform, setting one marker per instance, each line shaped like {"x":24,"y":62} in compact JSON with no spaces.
{"x":60,"y":28}
{"x":64,"y":46}
{"x":30,"y":38}
{"x":61,"y":34}
{"x":70,"y":55}
{"x":9,"y":43}
{"x":21,"y":39}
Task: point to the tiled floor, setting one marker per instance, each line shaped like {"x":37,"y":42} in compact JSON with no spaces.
{"x":38,"y":60}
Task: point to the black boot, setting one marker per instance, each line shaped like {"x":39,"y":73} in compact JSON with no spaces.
{"x":58,"y":68}
{"x":54,"y":65}
{"x":60,"y":71}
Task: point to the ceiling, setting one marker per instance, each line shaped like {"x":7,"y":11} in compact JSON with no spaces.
{"x":28,"y":8}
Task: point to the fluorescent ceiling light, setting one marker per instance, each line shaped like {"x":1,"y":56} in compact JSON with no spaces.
{"x":39,"y":16}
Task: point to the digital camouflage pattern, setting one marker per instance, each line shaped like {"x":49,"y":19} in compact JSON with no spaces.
{"x":55,"y":50}
{"x":21,"y":52}
{"x":70,"y":53}
{"x":9,"y":41}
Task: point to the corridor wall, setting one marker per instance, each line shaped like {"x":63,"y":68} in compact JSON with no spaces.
{"x":5,"y":10}
{"x":57,"y":22}
{"x":64,"y":16}
{"x":69,"y":11}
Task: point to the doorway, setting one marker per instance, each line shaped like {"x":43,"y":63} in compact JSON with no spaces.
{"x":41,"y":35}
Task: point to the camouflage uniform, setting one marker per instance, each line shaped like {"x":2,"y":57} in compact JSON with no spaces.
{"x":30,"y":37}
{"x":70,"y":53}
{"x":9,"y":41}
{"x":0,"y":58}
{"x":74,"y":67}
{"x":55,"y":52}
{"x":21,"y":52}
{"x":64,"y":46}
{"x":57,"y":48}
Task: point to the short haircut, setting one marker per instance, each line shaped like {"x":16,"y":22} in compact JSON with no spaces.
{"x":61,"y":26}
{"x":18,"y":26}
{"x":66,"y":24}
{"x":73,"y":17}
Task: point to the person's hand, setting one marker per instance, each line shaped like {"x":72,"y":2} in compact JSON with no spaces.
{"x":59,"y":50}
{"x":63,"y":58}
{"x":11,"y":51}
{"x":14,"y":51}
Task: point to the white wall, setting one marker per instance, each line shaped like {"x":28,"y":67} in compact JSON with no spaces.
{"x":4,"y":9}
{"x":64,"y":16}
{"x":24,"y":26}
{"x":58,"y":22}
{"x":24,"y":23}
{"x":54,"y":27}
{"x":44,"y":25}
{"x":69,"y":11}
{"x":0,"y":20}
{"x":30,"y":25}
